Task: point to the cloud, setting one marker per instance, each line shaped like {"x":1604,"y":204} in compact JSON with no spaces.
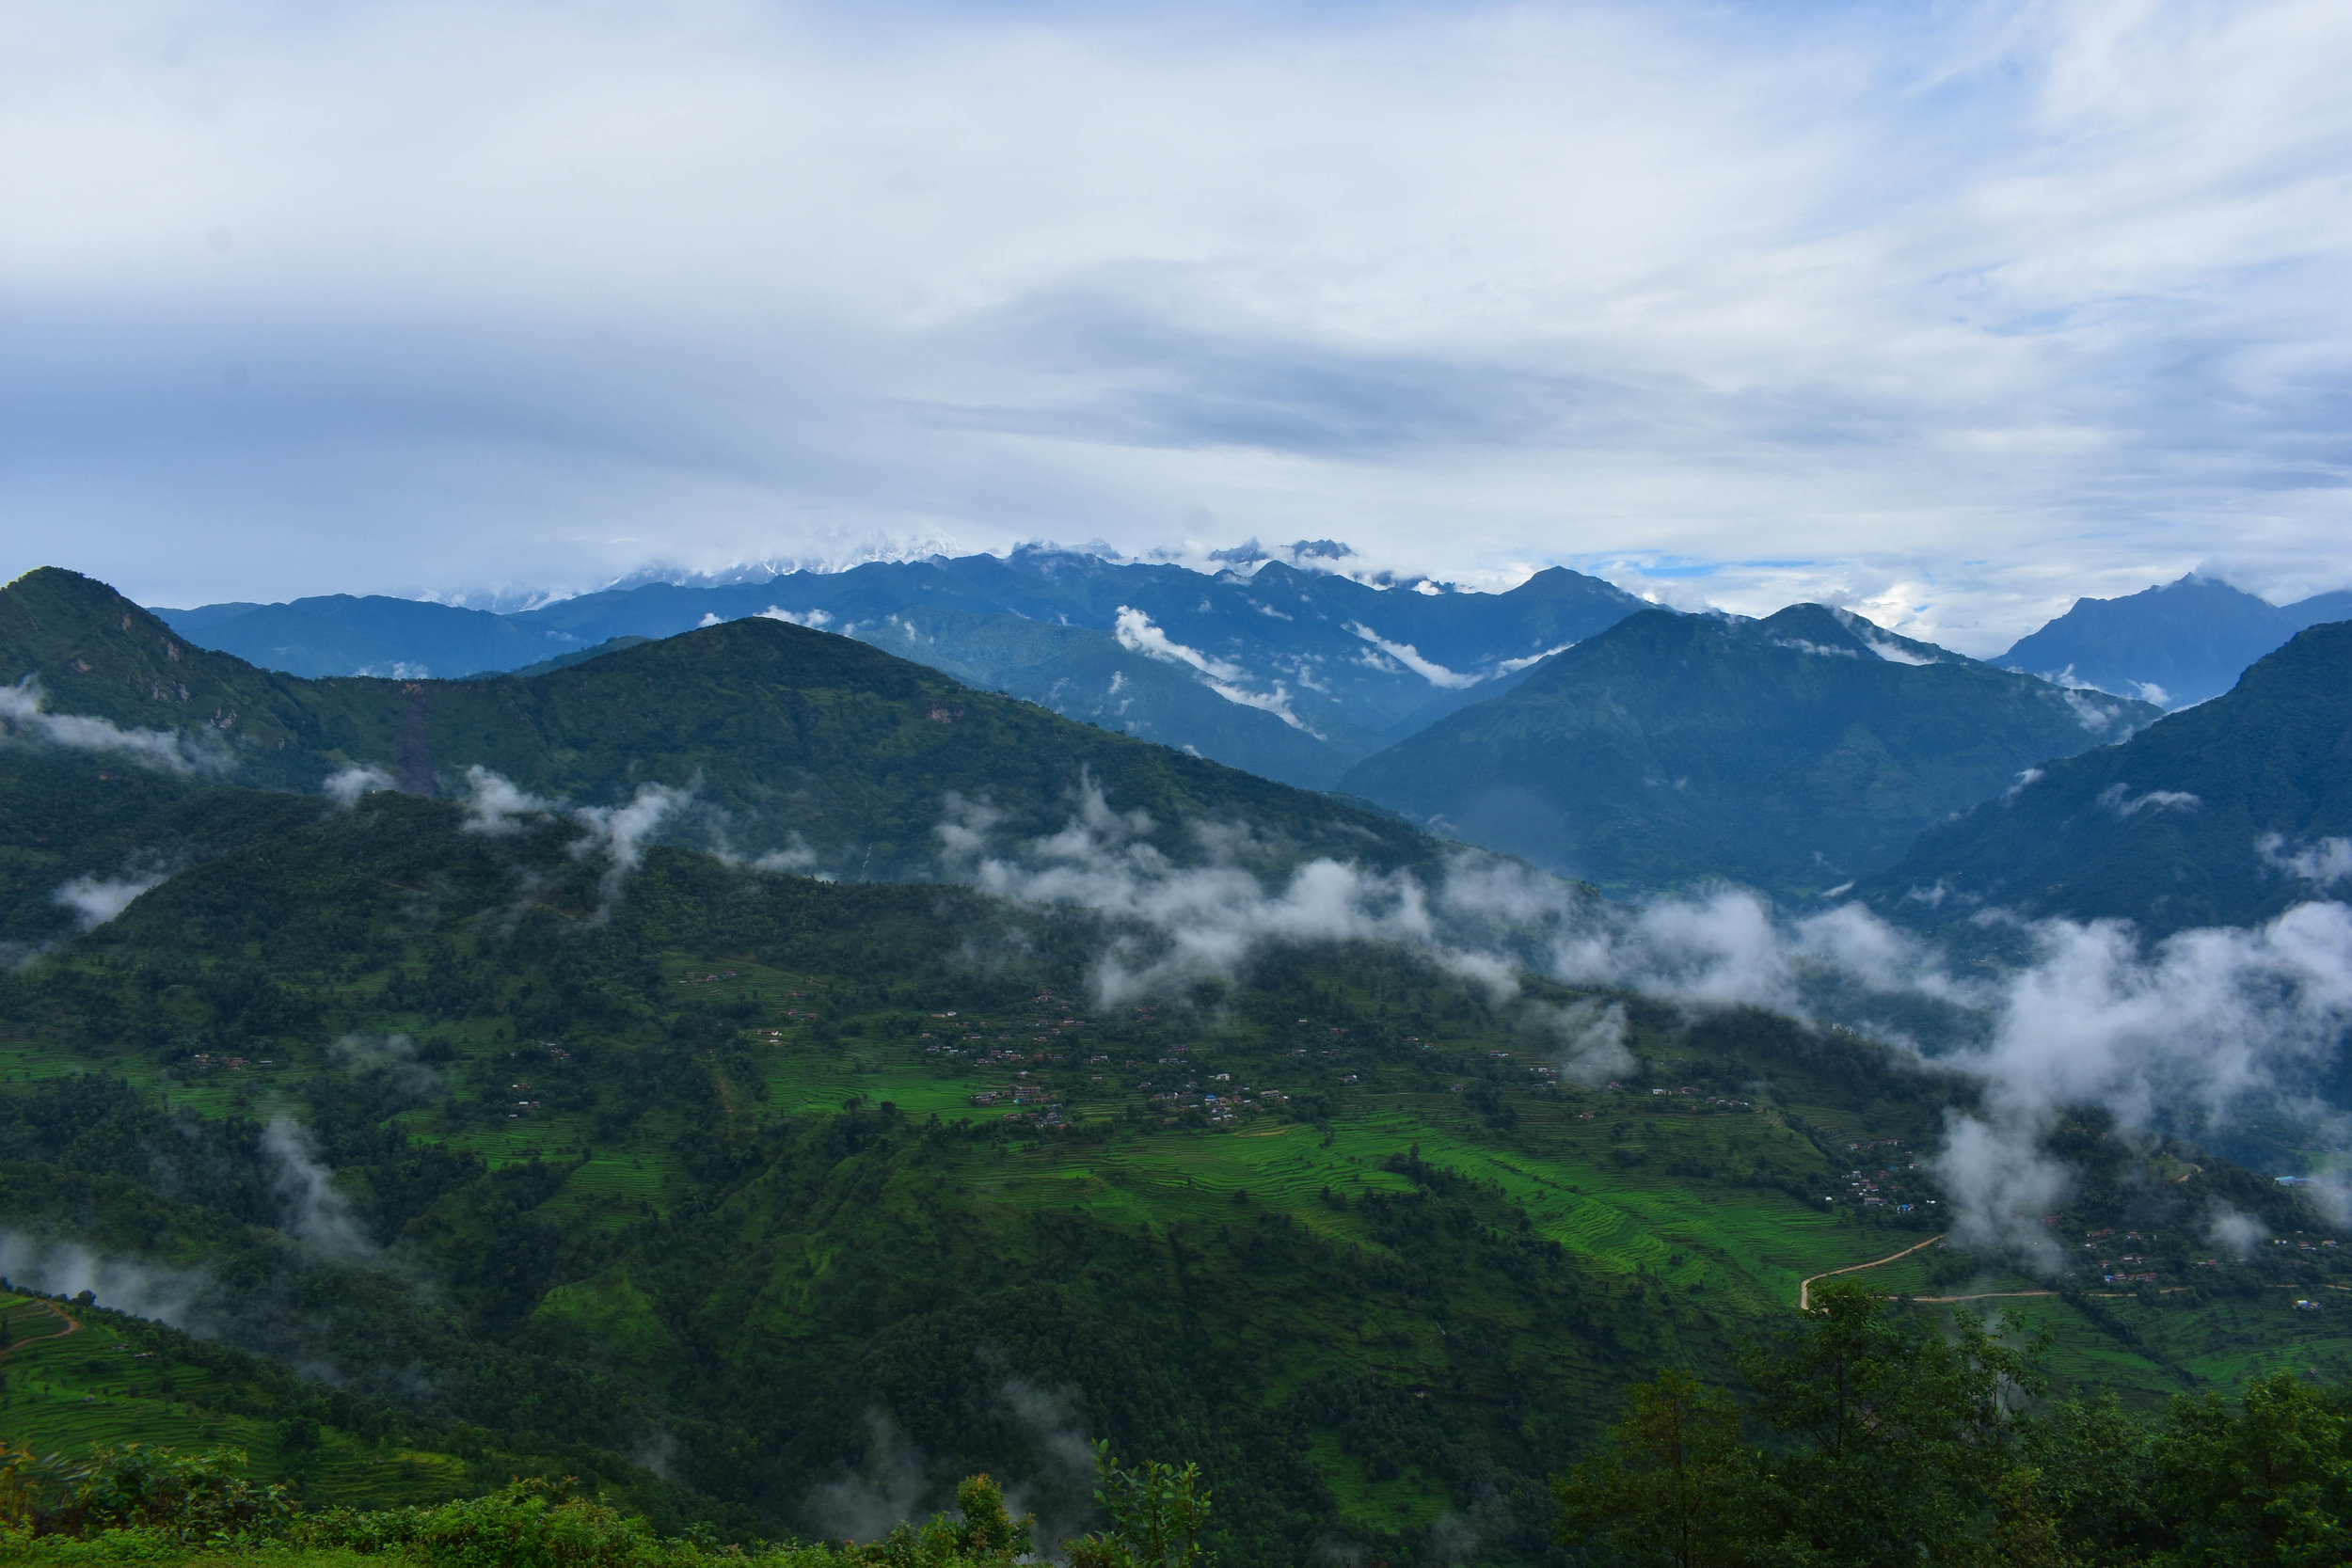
{"x":1136,"y":634}
{"x":620,"y":833}
{"x":2174,"y":1037}
{"x":1592,"y":1038}
{"x":795,"y":857}
{"x":388,"y":1058}
{"x":316,"y":1212}
{"x":2234,"y":1233}
{"x":25,"y":720}
{"x":95,"y":900}
{"x":346,"y":785}
{"x":815,"y":620}
{"x":2326,"y":862}
{"x":496,"y":805}
{"x":2120,"y":800}
{"x":1407,"y":655}
{"x":868,"y":1503}
{"x":2091,"y":712}
{"x":158,"y":1291}
{"x":1966,"y":310}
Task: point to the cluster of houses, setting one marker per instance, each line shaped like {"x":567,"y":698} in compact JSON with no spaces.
{"x":204,"y":1061}
{"x":1018,"y":1094}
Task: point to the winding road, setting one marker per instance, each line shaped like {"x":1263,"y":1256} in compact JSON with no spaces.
{"x":1805,"y":1287}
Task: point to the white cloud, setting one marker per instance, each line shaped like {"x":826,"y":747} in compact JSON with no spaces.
{"x":620,"y":833}
{"x":496,"y":805}
{"x":346,"y":785}
{"x":1137,"y":634}
{"x":95,"y":900}
{"x":2120,"y":800}
{"x":1407,"y":655}
{"x":815,"y":619}
{"x":25,"y":720}
{"x":2328,"y":860}
{"x":315,"y":1210}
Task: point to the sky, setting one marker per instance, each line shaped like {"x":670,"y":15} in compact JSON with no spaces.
{"x":1947,"y":312}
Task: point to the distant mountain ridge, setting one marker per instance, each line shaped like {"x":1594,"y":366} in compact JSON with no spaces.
{"x":790,"y":741}
{"x":2226,"y":814}
{"x":1289,"y":673}
{"x":2173,"y":644}
{"x":1795,"y":752}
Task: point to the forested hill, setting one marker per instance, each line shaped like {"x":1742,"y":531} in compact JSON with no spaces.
{"x":1794,"y":753}
{"x":2225,"y":813}
{"x":784,"y":737}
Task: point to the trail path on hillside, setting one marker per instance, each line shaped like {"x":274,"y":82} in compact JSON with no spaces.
{"x":72,"y":1326}
{"x":1805,"y":1287}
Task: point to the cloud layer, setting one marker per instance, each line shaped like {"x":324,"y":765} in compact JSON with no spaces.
{"x":1964,"y":309}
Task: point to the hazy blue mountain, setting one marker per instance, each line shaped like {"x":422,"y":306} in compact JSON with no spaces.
{"x":1795,"y":752}
{"x":2174,"y":644}
{"x":340,"y":635}
{"x":1291,"y":673}
{"x":2222,"y":814}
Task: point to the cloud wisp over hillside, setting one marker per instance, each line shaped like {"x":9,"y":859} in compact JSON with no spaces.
{"x":2186,"y":1035}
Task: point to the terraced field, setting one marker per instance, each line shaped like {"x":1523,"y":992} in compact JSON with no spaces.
{"x":64,"y":1393}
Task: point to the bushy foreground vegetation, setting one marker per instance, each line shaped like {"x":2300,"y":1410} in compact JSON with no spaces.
{"x":139,"y":1505}
{"x":1861,"y":1438}
{"x":1865,"y":1440}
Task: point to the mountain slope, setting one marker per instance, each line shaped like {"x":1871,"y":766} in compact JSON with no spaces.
{"x":708,"y":1165}
{"x":342,"y":635}
{"x":1797,"y":752}
{"x":785,"y":739}
{"x":2224,"y":813}
{"x":2174,"y":644}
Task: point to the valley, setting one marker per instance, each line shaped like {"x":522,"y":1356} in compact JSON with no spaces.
{"x":409,"y":1139}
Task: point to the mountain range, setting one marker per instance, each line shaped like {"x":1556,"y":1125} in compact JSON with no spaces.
{"x":641,"y":1066}
{"x":2174,"y":644}
{"x":1291,"y":674}
{"x":757,"y":735}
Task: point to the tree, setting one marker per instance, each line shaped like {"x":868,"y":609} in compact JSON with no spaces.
{"x":983,"y":1532}
{"x":1157,"y":1513}
{"x":1900,"y":1437}
{"x":1673,"y":1488}
{"x":2268,"y":1486}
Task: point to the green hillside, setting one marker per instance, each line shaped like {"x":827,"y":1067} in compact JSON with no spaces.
{"x":2221,"y":815}
{"x":1795,"y":753}
{"x":785,"y":737}
{"x":701,"y":1177}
